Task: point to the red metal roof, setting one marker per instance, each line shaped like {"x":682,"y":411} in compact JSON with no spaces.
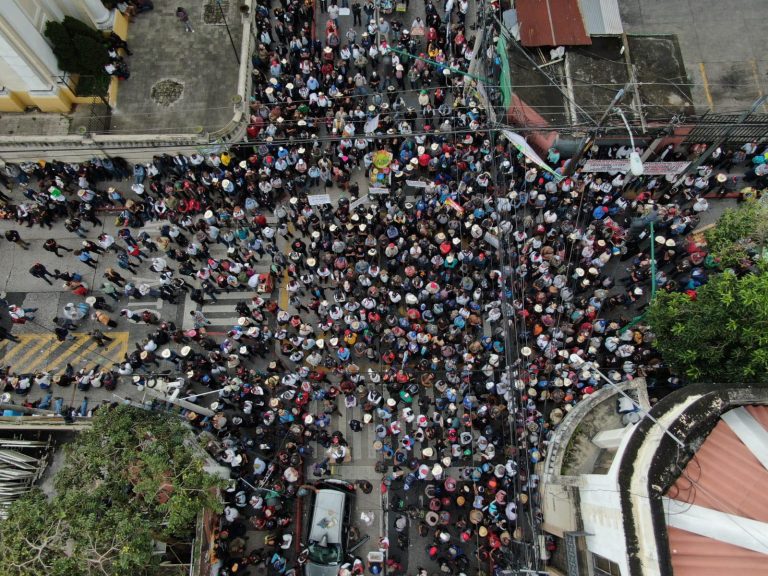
{"x":724,"y":476}
{"x":551,"y":23}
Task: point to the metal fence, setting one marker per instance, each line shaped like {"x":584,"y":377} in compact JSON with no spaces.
{"x":713,"y":127}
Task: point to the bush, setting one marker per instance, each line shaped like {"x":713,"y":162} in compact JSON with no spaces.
{"x":79,"y":49}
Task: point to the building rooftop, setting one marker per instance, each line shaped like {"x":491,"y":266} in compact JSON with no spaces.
{"x":551,"y":23}
{"x":717,"y":510}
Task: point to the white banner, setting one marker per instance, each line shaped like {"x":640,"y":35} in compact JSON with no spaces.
{"x":523,"y":146}
{"x":378,"y":190}
{"x":622,"y":165}
{"x":358,"y":202}
{"x":416,"y":183}
{"x":319,"y":199}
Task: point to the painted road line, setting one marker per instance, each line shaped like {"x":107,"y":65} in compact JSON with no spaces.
{"x":114,"y":351}
{"x":220,"y":308}
{"x":158,"y":305}
{"x":40,"y":359}
{"x":705,"y":81}
{"x":19,"y":362}
{"x":81,"y":340}
{"x":14,"y":348}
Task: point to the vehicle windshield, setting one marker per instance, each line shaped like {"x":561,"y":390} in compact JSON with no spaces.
{"x":325,"y":555}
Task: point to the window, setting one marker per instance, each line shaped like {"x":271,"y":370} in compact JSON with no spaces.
{"x":604,"y":567}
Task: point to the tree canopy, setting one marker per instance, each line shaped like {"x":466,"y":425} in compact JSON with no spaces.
{"x":739,"y":234}
{"x":79,"y":49}
{"x":722,"y":334}
{"x":132,"y":478}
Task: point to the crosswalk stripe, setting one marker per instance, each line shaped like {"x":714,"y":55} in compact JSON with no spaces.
{"x":39,"y":359}
{"x":42,"y":340}
{"x":122,"y":342}
{"x":44,"y":352}
{"x":82,"y":355}
{"x":80,"y":340}
{"x":12,"y":351}
{"x":211,"y":308}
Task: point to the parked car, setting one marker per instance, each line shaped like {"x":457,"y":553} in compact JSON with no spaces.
{"x":328,"y":530}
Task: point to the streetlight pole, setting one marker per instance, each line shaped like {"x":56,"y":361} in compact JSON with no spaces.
{"x":229,"y":33}
{"x":588,"y":139}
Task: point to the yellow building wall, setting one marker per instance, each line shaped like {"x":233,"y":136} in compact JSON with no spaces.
{"x":10,"y":102}
{"x":65,"y":99}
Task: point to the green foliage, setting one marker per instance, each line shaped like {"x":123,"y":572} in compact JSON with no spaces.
{"x":722,"y":336}
{"x":79,"y":49}
{"x":737,"y":233}
{"x":132,"y":478}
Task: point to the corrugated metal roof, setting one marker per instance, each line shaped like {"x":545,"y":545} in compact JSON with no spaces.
{"x":602,"y":17}
{"x":551,"y":23}
{"x":725,"y":476}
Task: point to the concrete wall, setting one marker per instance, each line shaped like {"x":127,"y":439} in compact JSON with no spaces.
{"x":602,"y":518}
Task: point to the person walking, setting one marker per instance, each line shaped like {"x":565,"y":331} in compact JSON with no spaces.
{"x":357,"y":13}
{"x":62,"y":334}
{"x":51,"y":245}
{"x":40,"y":271}
{"x":100,"y":337}
{"x":104,"y":319}
{"x":86,"y":258}
{"x":13,"y":236}
{"x":115,"y":277}
{"x":5,"y":334}
{"x":183,"y":17}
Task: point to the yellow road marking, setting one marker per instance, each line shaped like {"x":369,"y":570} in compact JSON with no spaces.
{"x":707,"y":93}
{"x":14,"y":348}
{"x":20,"y":351}
{"x":80,"y":340}
{"x":120,"y":340}
{"x":83,"y":356}
{"x":40,"y":358}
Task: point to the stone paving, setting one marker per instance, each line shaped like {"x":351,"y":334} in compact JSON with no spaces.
{"x":165,"y":57}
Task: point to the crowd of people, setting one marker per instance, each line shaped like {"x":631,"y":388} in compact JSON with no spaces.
{"x":442,"y":315}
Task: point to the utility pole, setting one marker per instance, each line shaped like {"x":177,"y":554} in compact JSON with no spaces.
{"x":376,"y":15}
{"x":588,"y":139}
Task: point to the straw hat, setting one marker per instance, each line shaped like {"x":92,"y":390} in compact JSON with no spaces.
{"x":427,"y":452}
{"x":432,"y":518}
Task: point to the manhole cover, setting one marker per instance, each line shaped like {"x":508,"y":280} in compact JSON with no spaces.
{"x":214,"y":12}
{"x":166,"y":92}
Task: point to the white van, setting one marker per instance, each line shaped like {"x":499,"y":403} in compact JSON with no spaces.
{"x":328,"y":530}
